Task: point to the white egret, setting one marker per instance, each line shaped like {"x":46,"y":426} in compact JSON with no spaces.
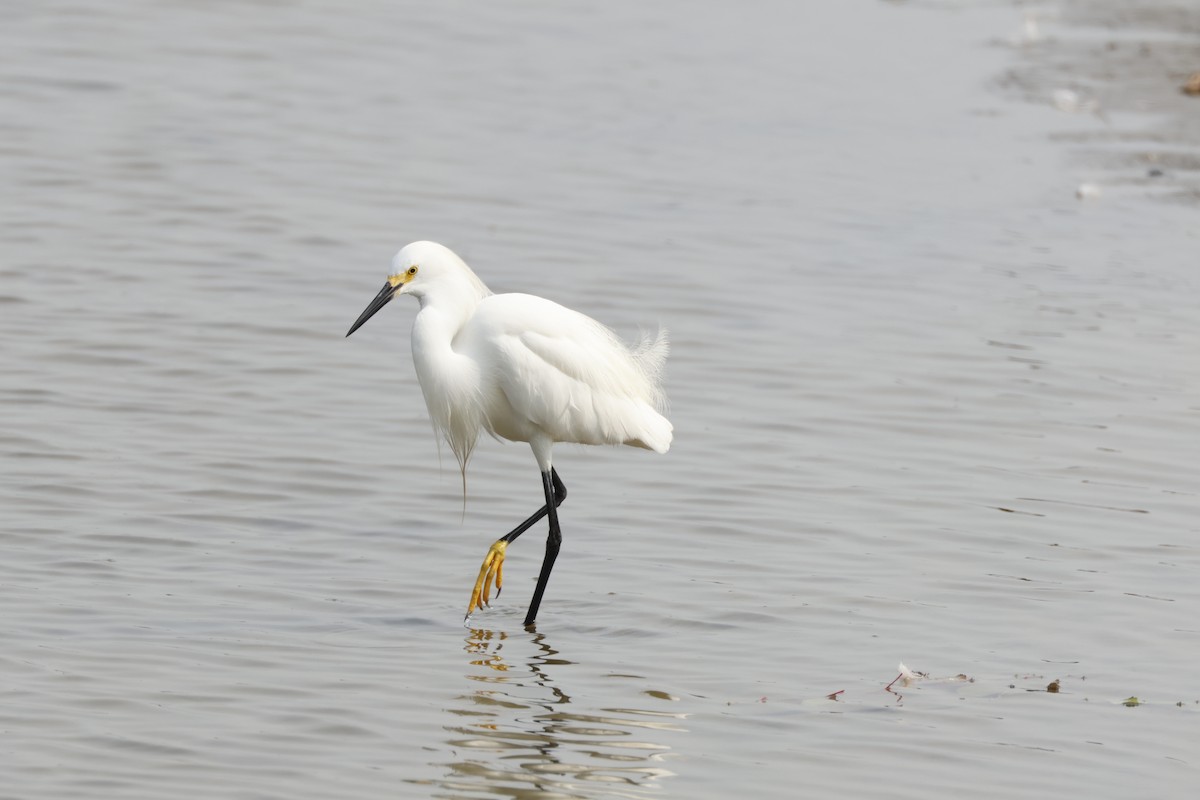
{"x":526,"y":369}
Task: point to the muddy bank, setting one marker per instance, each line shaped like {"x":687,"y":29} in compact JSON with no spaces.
{"x":1121,"y":70}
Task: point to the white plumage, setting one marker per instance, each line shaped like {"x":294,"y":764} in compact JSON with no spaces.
{"x":522,"y":368}
{"x":525,"y":368}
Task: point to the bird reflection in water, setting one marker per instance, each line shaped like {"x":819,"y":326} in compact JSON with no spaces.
{"x":518,"y":734}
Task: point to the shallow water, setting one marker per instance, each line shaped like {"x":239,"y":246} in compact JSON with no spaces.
{"x":929,"y":408}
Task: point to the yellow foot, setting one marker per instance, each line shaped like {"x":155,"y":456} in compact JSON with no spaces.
{"x":492,"y":570}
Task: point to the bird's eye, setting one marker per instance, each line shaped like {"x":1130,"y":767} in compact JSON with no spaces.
{"x":412,"y":270}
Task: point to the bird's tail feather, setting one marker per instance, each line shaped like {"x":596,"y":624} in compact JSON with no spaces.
{"x":650,"y":355}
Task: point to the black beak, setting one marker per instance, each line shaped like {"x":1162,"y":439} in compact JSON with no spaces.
{"x":382,"y":299}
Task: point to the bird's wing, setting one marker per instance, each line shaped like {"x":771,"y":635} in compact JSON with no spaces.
{"x":570,"y":376}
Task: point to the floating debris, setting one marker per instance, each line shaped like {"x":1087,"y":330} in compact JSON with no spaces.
{"x":908,"y":677}
{"x":1072,"y":102}
{"x":906,"y":674}
{"x":1131,"y":702}
{"x":1192,"y":84}
{"x":1087,"y":191}
{"x":1053,"y":686}
{"x":1030,"y":32}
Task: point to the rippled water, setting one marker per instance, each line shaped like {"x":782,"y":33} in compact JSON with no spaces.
{"x":929,"y":408}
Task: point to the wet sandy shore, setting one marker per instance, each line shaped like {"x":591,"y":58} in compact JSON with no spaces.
{"x":1122,"y":66}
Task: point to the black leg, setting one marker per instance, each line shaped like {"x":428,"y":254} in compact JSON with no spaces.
{"x":493,"y":563}
{"x":560,"y":494}
{"x":555,"y":493}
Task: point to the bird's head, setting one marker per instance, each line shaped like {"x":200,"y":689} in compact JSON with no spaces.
{"x":416,"y":269}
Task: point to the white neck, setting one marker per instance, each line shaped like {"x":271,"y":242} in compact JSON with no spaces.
{"x":449,"y":380}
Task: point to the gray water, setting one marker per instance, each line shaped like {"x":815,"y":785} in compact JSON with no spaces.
{"x":929,"y":408}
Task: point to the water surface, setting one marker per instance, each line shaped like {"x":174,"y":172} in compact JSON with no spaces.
{"x":929,"y":409}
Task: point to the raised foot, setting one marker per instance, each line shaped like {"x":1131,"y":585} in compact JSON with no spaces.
{"x":491,"y":571}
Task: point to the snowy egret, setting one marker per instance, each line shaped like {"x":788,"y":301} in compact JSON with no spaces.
{"x":526,"y":369}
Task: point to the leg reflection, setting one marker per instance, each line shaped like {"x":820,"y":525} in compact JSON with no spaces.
{"x":518,"y":733}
